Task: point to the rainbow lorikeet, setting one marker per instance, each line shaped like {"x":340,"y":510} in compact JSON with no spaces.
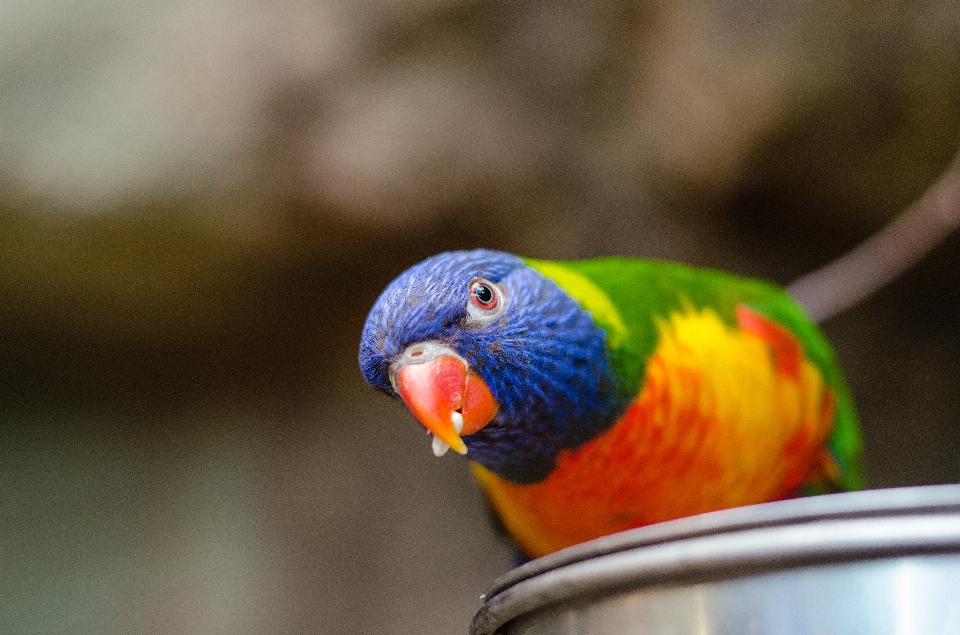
{"x":600,"y":395}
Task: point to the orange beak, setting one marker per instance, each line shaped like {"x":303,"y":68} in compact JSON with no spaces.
{"x":447,"y":399}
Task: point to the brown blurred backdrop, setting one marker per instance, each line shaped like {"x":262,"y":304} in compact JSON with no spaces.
{"x":199,"y":201}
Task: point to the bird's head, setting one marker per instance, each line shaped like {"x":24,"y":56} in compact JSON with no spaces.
{"x":492,"y":358}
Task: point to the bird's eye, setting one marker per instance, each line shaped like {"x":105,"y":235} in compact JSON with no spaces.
{"x":484,"y":295}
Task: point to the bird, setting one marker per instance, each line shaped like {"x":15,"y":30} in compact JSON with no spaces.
{"x":596,"y":396}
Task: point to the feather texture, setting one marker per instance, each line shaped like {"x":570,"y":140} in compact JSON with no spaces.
{"x":719,"y":423}
{"x":629,"y":391}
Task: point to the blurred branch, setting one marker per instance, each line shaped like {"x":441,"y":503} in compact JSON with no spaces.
{"x":885,"y":255}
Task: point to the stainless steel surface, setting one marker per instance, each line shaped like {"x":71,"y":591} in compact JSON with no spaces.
{"x":883,"y":561}
{"x":903,"y":596}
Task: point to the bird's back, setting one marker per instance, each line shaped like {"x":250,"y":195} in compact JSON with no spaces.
{"x":734,"y":398}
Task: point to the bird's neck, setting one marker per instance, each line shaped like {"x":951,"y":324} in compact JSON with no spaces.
{"x":692,"y":441}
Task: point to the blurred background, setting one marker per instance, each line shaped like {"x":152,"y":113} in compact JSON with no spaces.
{"x":200,"y":200}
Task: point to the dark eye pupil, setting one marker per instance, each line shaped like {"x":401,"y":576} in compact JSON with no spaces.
{"x":483,"y":294}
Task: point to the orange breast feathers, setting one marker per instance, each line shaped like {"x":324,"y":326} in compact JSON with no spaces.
{"x":726,"y":417}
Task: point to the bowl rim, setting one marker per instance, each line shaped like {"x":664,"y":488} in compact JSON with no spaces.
{"x":826,"y":529}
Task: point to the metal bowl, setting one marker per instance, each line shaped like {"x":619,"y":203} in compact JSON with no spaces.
{"x":873,"y":562}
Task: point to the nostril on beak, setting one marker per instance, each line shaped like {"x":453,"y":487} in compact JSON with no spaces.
{"x":417,"y":350}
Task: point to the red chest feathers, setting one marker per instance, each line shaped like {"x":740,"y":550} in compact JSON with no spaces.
{"x":726,"y":417}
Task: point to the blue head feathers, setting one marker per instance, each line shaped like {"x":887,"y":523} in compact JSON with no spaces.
{"x":542,"y":357}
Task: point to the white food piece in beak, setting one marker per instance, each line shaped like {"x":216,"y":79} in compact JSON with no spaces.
{"x":440,"y":446}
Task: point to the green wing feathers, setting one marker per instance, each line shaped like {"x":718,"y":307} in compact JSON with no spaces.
{"x":627,"y":298}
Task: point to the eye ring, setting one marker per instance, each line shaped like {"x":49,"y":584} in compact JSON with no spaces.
{"x":484,"y":295}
